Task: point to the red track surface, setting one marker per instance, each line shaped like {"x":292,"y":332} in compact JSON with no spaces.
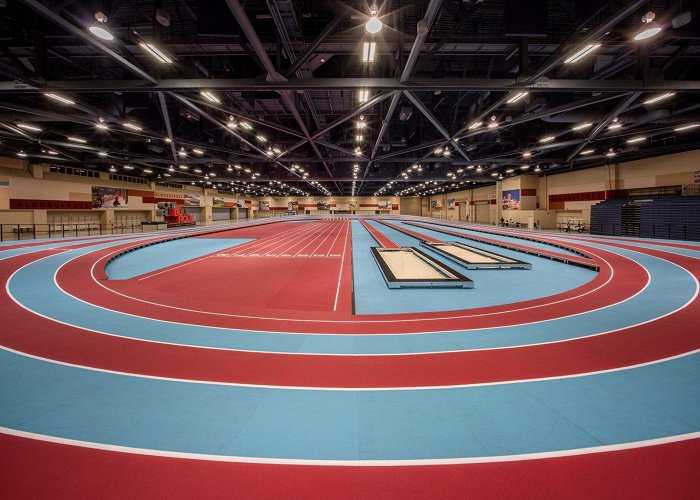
{"x":609,"y":351}
{"x":627,"y":280}
{"x":36,"y":469}
{"x":380,"y":238}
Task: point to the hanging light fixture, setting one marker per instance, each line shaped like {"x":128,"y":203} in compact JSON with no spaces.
{"x":649,"y":28}
{"x":99,"y":28}
{"x":374,"y":25}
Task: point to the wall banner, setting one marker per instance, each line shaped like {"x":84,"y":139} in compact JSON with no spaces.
{"x":451,"y":204}
{"x":323,"y":205}
{"x":108,"y":197}
{"x":511,"y":199}
{"x":192,"y":200}
{"x":217,"y":201}
{"x":265,"y":205}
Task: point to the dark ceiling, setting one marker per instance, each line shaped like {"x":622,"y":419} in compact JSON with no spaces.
{"x":293,"y":71}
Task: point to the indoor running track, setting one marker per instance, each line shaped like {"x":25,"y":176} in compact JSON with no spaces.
{"x":235,"y":366}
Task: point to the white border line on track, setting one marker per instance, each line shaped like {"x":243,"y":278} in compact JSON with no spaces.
{"x":353,"y":463}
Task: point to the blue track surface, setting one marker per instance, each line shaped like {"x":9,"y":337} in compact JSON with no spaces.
{"x":491,"y":287}
{"x":618,"y":407}
{"x":670,"y":288}
{"x":152,"y":258}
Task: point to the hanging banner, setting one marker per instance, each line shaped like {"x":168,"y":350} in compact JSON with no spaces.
{"x":511,"y":200}
{"x":107,"y":197}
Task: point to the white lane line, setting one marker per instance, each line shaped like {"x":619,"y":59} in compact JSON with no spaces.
{"x":267,"y":241}
{"x":176,"y":267}
{"x":290,"y":243}
{"x":337,"y":229}
{"x":607,"y":448}
{"x":328,"y":254}
{"x":342,"y":263}
{"x":318,"y":235}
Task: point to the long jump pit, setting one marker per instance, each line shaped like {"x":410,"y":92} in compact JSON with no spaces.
{"x":408,"y":267}
{"x":475,"y":258}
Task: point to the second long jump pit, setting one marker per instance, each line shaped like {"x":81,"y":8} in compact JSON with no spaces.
{"x":408,"y":267}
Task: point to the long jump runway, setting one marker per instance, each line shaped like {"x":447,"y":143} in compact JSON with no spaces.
{"x":232,"y":363}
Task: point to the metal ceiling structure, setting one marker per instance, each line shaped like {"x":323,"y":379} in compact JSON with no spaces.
{"x":268,"y":97}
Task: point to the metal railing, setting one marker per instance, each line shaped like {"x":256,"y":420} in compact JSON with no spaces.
{"x":22,"y":232}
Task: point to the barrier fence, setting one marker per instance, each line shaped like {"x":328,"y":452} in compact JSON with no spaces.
{"x":687,"y":232}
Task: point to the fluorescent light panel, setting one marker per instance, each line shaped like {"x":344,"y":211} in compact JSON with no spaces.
{"x":210,"y":97}
{"x":659,"y":98}
{"x":156,"y":53}
{"x":582,"y":126}
{"x":59,"y":98}
{"x":582,"y":53}
{"x":29,"y":127}
{"x":686,"y":127}
{"x":636,"y":139}
{"x":516,"y":97}
{"x":368,"y":51}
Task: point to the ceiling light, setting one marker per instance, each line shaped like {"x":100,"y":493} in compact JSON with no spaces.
{"x":246,"y":125}
{"x":611,"y":152}
{"x":582,"y":126}
{"x":649,"y":28}
{"x":156,"y":53}
{"x":361,"y":125}
{"x":636,"y":139}
{"x":686,"y":127}
{"x":197,"y":171}
{"x":494,"y":174}
{"x":614,"y":126}
{"x":438,"y":151}
{"x":587,"y":151}
{"x":184,"y":167}
{"x":101,"y":126}
{"x":359,"y":138}
{"x":52,"y":152}
{"x":77,"y":139}
{"x":492,"y":125}
{"x":277,"y":150}
{"x":524,"y":167}
{"x":210,"y":97}
{"x":112,"y":168}
{"x":99,"y":29}
{"x":549,"y":138}
{"x":363,"y":95}
{"x":197,"y":151}
{"x":237,"y":167}
{"x":261,"y":138}
{"x":21,"y":153}
{"x":101,"y":153}
{"x":537,"y":168}
{"x":147,"y":171}
{"x":516,"y":97}
{"x":659,"y":98}
{"x":29,"y":127}
{"x":368,"y":51}
{"x":374,"y":25}
{"x":510,"y":171}
{"x":475,"y":125}
{"x":59,"y":98}
{"x":582,"y":53}
{"x":527,"y":154}
{"x":133,"y":126}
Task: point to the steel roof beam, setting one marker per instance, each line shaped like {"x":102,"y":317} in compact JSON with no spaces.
{"x":414,"y":84}
{"x":620,"y":108}
{"x":436,"y":123}
{"x":56,"y":19}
